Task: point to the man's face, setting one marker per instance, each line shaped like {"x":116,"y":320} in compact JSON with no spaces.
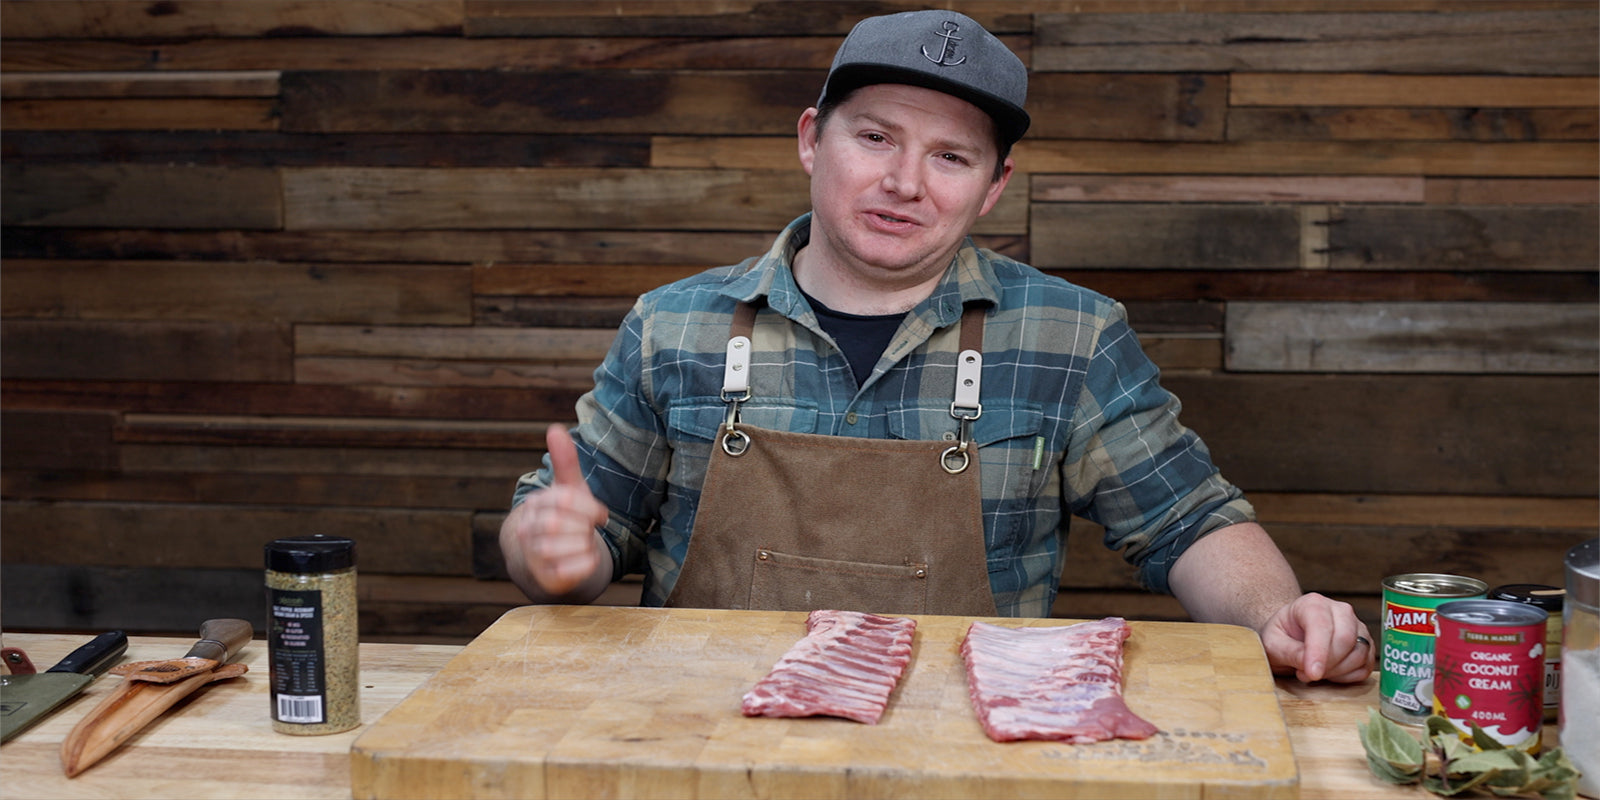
{"x":898,"y":177}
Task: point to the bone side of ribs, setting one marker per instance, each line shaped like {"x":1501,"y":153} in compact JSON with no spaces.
{"x":1059,"y":683}
{"x":845,"y":666}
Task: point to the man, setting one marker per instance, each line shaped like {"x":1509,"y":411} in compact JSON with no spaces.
{"x":878,"y":415}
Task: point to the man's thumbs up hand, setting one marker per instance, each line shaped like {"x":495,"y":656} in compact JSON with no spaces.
{"x":550,"y":537}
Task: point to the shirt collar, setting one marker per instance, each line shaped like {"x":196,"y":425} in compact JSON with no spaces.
{"x":970,"y":279}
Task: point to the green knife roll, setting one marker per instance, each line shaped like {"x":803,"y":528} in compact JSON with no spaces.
{"x":25,"y":699}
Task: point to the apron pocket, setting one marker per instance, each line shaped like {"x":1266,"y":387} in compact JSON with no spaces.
{"x":787,"y":582}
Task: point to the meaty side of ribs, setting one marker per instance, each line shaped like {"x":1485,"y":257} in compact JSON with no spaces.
{"x":1056,"y":683}
{"x":845,"y":666}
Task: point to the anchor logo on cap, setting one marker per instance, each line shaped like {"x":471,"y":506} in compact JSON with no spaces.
{"x":949,"y":46}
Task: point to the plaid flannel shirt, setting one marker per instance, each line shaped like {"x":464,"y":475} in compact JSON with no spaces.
{"x":1074,"y":420}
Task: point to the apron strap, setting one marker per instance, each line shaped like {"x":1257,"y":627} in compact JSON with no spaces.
{"x":966,"y":406}
{"x":736,"y":377}
{"x":971,"y":327}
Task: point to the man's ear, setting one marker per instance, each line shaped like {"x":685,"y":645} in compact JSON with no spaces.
{"x":996,"y":187}
{"x":806,"y":132}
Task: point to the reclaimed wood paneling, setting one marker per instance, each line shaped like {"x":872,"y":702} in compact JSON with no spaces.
{"x":256,"y":292}
{"x":1415,"y":124}
{"x":483,"y":247}
{"x":1506,"y":338}
{"x":1414,"y":434}
{"x":1235,"y":236}
{"x":312,"y":53}
{"x":1445,"y":159}
{"x":162,"y":350}
{"x":221,"y":148}
{"x":1321,"y":555}
{"x":546,"y":345}
{"x":1510,"y":42}
{"x":1457,"y":511}
{"x":126,"y":483}
{"x":417,"y":372}
{"x":555,"y":198}
{"x":1188,"y":107}
{"x":111,"y":19}
{"x":404,"y":541}
{"x":241,"y":83}
{"x":140,"y":196}
{"x":161,"y":114}
{"x":1225,"y":189}
{"x":261,"y":462}
{"x":1337,"y":285}
{"x":49,"y":439}
{"x":1546,"y":238}
{"x":1432,"y":91}
{"x":324,"y":431}
{"x":277,"y":266}
{"x":310,"y":400}
{"x":1511,"y":191}
{"x":499,"y":101}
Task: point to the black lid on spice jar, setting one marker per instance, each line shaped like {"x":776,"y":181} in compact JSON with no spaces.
{"x":1534,"y":594}
{"x":314,"y":553}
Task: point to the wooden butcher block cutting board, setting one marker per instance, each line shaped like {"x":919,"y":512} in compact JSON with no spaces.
{"x":591,"y":701}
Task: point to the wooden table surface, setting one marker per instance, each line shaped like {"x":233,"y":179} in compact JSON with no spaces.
{"x":220,"y":743}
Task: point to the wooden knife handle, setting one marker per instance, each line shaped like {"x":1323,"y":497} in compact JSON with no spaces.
{"x":220,"y":639}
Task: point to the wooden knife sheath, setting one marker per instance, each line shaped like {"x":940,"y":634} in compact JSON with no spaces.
{"x":150,"y":688}
{"x":126,"y":711}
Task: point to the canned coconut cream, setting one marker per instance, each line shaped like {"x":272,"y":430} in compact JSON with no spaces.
{"x":1489,"y":670}
{"x":1405,"y":682}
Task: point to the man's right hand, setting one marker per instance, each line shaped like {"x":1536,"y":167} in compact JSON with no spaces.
{"x":549,"y":540}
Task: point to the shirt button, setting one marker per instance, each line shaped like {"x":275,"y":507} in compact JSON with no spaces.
{"x":850,"y":418}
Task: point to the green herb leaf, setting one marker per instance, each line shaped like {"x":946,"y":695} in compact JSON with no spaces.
{"x":1484,"y":741}
{"x":1553,"y":776}
{"x":1392,"y":754}
{"x":1453,"y":786}
{"x":1513,"y":761}
{"x":1447,"y":765}
{"x":1448,"y":746}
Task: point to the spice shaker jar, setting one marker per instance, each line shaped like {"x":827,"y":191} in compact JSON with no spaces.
{"x":312,"y":634}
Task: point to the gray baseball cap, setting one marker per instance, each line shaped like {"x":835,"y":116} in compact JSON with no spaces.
{"x":940,"y":50}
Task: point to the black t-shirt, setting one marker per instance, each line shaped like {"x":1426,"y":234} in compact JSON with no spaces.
{"x":861,"y":337}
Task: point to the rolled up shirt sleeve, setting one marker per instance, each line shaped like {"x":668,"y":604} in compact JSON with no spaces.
{"x":1133,"y":468}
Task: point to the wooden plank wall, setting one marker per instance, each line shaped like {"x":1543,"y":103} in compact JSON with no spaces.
{"x":274,"y":267}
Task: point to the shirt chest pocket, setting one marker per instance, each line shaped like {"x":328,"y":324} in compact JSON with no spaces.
{"x":695,"y":420}
{"x":1007,"y":433}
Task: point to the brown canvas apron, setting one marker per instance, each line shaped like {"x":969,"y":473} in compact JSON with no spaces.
{"x":800,"y":521}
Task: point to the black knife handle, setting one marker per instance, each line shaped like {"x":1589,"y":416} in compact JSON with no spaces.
{"x":95,"y":657}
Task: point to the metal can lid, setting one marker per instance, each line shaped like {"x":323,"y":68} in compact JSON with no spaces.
{"x":1534,"y":594}
{"x":1435,"y":584}
{"x":315,"y":553}
{"x":1583,"y":573}
{"x":1492,"y":612}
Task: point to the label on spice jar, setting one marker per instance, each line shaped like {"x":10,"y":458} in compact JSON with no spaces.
{"x":299,"y":682}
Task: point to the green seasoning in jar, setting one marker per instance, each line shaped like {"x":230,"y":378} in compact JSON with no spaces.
{"x":1550,"y":599}
{"x":312,"y":635}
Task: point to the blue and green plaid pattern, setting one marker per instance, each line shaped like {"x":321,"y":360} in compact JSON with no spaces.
{"x":1074,"y":423}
